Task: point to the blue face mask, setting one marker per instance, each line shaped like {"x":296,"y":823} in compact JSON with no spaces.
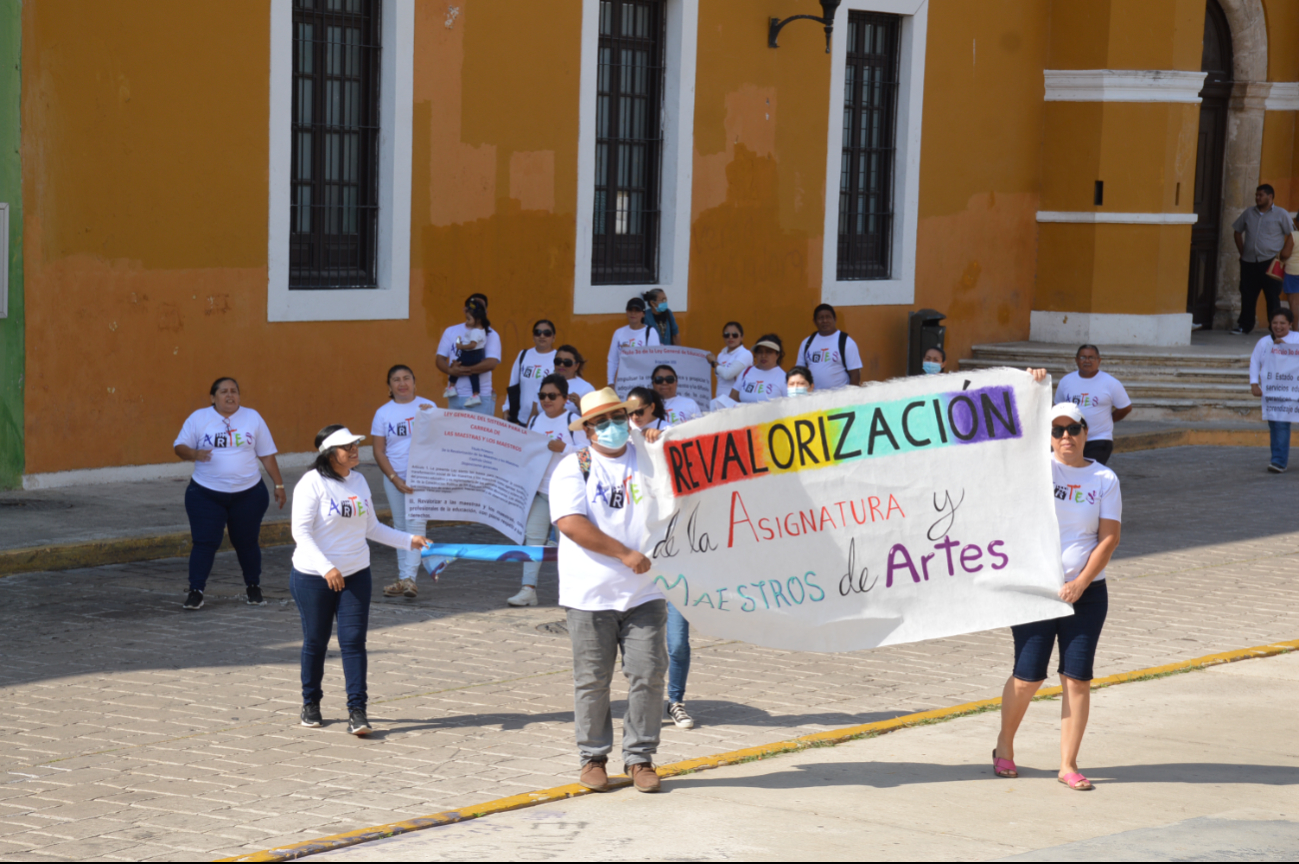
{"x":614,"y":435}
{"x":797,"y":391}
{"x":932,"y":368}
{"x":662,"y":307}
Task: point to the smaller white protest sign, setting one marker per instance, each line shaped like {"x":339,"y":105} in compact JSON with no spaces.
{"x":475,"y":468}
{"x":1279,"y":378}
{"x":694,"y":373}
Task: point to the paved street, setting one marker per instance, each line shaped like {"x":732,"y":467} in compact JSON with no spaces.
{"x":1166,"y":790}
{"x":134,"y":731}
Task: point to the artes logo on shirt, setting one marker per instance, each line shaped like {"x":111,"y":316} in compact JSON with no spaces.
{"x":759,"y":387}
{"x":1074,"y":495}
{"x":402,"y":429}
{"x":537,"y":371}
{"x":1086,"y":400}
{"x":615,"y":497}
{"x":353,"y":506}
{"x":231,"y":438}
{"x":826,"y":355}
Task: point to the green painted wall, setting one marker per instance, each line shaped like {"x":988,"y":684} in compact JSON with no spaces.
{"x":11,"y":178}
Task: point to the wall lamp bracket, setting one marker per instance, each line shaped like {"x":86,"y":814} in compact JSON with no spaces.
{"x":828,"y":7}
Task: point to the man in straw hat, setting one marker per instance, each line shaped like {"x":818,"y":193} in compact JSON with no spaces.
{"x":597,"y":501}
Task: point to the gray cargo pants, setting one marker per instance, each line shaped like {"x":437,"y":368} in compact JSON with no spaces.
{"x":642,"y":634}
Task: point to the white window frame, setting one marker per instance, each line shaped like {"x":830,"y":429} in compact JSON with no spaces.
{"x":391,"y":300}
{"x":4,"y":260}
{"x":901,"y":288}
{"x":680,"y":42}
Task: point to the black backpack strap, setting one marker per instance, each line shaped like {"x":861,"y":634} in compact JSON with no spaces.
{"x":807,"y":346}
{"x":843,"y":349}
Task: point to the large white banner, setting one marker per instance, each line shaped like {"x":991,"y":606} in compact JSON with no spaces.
{"x":694,"y":374}
{"x":476,"y":468}
{"x":859,"y":517}
{"x":1279,"y":378}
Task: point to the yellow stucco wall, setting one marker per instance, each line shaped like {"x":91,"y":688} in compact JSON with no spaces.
{"x":145,"y":153}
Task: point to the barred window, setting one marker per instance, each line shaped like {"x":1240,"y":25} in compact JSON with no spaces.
{"x":869,"y":144}
{"x":629,"y":143}
{"x":335,"y":118}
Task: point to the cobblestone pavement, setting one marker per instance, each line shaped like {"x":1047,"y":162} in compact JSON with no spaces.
{"x":133,"y":731}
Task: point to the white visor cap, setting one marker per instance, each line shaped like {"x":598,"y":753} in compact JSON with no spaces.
{"x":1067,"y":409}
{"x":341,"y":438}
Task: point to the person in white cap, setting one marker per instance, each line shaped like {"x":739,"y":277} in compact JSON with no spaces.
{"x":597,"y":500}
{"x":333,"y":517}
{"x":764,"y":379}
{"x":1089,"y":509}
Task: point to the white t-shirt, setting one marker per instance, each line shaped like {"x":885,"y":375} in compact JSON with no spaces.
{"x":473,"y":339}
{"x":625,"y":336}
{"x":1098,"y":397}
{"x":396,"y":423}
{"x":236,"y":442}
{"x":556,"y":430}
{"x":756,"y":385}
{"x":332,"y":521}
{"x":680,"y":409}
{"x":447,"y":347}
{"x":821,"y":356}
{"x":1261,"y":350}
{"x":1083,"y":497}
{"x":614,"y":500}
{"x":577,"y":385}
{"x":528,"y":370}
{"x":729,"y":365}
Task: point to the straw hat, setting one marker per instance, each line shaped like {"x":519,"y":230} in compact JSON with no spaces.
{"x":594,"y":404}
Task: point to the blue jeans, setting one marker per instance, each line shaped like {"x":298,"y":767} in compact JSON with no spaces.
{"x":318,"y":606}
{"x":210,"y":513}
{"x":1077,"y":633}
{"x":487,"y":406}
{"x":678,"y":655}
{"x":1280,"y":432}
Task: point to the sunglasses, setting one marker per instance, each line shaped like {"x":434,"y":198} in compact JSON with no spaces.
{"x":549,"y":397}
{"x":730,"y":335}
{"x":639,"y":412}
{"x":605,"y":421}
{"x":1074,"y":430}
{"x":544,"y":333}
{"x":565,"y":363}
{"x":665,"y":379}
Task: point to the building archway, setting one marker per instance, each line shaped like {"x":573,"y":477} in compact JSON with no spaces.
{"x":1244,"y":141}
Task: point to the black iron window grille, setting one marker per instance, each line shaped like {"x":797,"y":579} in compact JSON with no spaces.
{"x":629,"y":143}
{"x":334,"y":211}
{"x":870,"y":95}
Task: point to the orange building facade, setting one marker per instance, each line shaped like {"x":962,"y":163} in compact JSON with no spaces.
{"x":157,"y":177}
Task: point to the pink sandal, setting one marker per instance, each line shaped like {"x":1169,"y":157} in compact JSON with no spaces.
{"x":1004,"y":767}
{"x":1077,"y":782}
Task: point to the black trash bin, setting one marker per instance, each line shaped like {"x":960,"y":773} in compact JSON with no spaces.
{"x":924,"y":332}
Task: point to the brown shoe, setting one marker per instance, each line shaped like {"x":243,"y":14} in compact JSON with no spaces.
{"x":644,"y":777}
{"x":595,"y":776}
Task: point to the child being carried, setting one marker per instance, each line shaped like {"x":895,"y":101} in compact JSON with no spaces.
{"x":471,"y":349}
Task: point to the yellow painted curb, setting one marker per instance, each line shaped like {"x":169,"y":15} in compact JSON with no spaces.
{"x":125,"y":550}
{"x":748,"y":754}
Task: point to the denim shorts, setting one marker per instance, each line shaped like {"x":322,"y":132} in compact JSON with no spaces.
{"x":1077,"y":633}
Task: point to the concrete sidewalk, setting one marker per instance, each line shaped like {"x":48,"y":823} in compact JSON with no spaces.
{"x":1197,"y":766}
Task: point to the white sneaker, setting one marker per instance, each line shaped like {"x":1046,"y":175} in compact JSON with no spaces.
{"x":472,"y":401}
{"x":527,"y":596}
{"x":449,"y":392}
{"x":677,"y":711}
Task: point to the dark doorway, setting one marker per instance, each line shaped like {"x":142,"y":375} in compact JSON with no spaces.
{"x":1202,"y":288}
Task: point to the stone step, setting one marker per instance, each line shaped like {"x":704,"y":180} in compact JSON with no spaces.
{"x":1150,"y":374}
{"x":1031,"y":356}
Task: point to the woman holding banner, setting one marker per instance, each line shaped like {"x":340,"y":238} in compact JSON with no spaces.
{"x":333,"y":517}
{"x":553,"y":422}
{"x":1089,"y":509}
{"x":679,"y":408}
{"x":764,"y":379}
{"x":392,"y":430}
{"x":1278,"y":429}
{"x":645,"y":409}
{"x":733,"y":359}
{"x":634,"y":335}
{"x":569,"y":363}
